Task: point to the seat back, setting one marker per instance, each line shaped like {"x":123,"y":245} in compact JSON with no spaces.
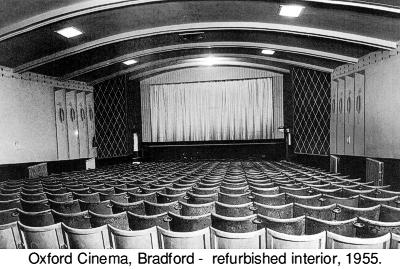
{"x":119,"y":197}
{"x":234,"y":224}
{"x":94,"y":238}
{"x":395,"y":241}
{"x":10,"y":196}
{"x":33,"y":197}
{"x":235,"y":199}
{"x":193,"y":198}
{"x":63,"y":197}
{"x":184,"y":240}
{"x":87,"y":197}
{"x":329,"y":199}
{"x":274,"y":211}
{"x":119,"y":220}
{"x":79,"y":220}
{"x":319,"y":212}
{"x":35,"y":206}
{"x":389,"y":214}
{"x":226,"y":240}
{"x":155,"y":209}
{"x":241,"y":210}
{"x":10,"y":236}
{"x":141,"y":222}
{"x":169,"y":198}
{"x":135,"y":207}
{"x":345,"y":228}
{"x":294,"y":226}
{"x":103,"y":207}
{"x":188,"y":223}
{"x":142,"y":239}
{"x":372,"y":228}
{"x":49,"y":237}
{"x":10,"y":204}
{"x":65,"y":207}
{"x":264,"y":191}
{"x":36,"y":219}
{"x":9,"y":216}
{"x":342,"y":212}
{"x":196,"y":209}
{"x":311,"y":200}
{"x":277,"y":240}
{"x":335,"y":241}
{"x":365,"y":201}
{"x":274,"y":199}
{"x":136,"y":197}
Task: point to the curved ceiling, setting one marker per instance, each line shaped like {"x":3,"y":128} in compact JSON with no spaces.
{"x":327,"y":34}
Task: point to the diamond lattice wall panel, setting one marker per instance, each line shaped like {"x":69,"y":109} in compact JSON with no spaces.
{"x":311,"y":119}
{"x":111,"y":118}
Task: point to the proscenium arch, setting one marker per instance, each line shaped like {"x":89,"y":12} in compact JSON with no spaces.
{"x":181,"y":28}
{"x":180,"y":64}
{"x":210,"y":45}
{"x":91,"y":6}
{"x":194,"y":56}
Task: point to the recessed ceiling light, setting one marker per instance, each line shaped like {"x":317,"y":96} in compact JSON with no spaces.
{"x":129,"y":62}
{"x":268,"y":52}
{"x":69,"y":32}
{"x":290,"y":10}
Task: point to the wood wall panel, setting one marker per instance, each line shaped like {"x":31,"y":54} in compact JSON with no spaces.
{"x":91,"y":124}
{"x":82,"y":125}
{"x":61,"y":125}
{"x":72,"y":122}
{"x":359,"y":118}
{"x":349,"y":116}
{"x":340,"y":120}
{"x":333,"y":122}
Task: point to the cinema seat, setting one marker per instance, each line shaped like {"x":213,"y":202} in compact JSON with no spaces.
{"x":125,"y":189}
{"x":294,"y":226}
{"x":345,"y":228}
{"x":47,"y":237}
{"x":188,"y":223}
{"x":79,"y":189}
{"x":10,"y":236}
{"x":389,"y":214}
{"x":193,"y":198}
{"x":274,"y":199}
{"x":120,"y":197}
{"x":79,"y":220}
{"x":346,"y":212}
{"x":205,"y":191}
{"x":10,"y":204}
{"x":234,"y":190}
{"x":119,"y":220}
{"x":36,"y":219}
{"x":196,"y":209}
{"x":35,"y":206}
{"x":87,"y":197}
{"x":8,"y":216}
{"x":65,"y":207}
{"x":10,"y":190}
{"x":136,"y":197}
{"x":60,"y":197}
{"x":365,"y":201}
{"x":312,"y":200}
{"x":103,"y":207}
{"x":278,"y":211}
{"x":33,"y":197}
{"x":371,"y":228}
{"x":103,"y":190}
{"x":319,"y":212}
{"x":234,"y":224}
{"x":349,"y":201}
{"x":277,"y":240}
{"x":228,"y":210}
{"x":187,"y":240}
{"x":173,"y":190}
{"x":304,"y":191}
{"x":148,"y":190}
{"x":8,"y":197}
{"x":227,"y":240}
{"x":335,"y":241}
{"x":395,"y":241}
{"x":136,"y":207}
{"x":168,"y":198}
{"x":94,"y":238}
{"x":155,"y":208}
{"x":142,"y":239}
{"x":142,"y":222}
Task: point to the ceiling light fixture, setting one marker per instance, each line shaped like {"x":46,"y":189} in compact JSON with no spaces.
{"x":290,"y":10}
{"x":268,"y":51}
{"x":130,"y":62}
{"x":69,"y":32}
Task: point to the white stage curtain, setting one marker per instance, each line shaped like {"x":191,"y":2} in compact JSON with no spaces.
{"x":207,"y":111}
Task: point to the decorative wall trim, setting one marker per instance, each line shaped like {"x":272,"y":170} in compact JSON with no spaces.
{"x":29,"y":76}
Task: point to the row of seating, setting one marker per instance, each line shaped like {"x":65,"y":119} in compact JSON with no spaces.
{"x":57,"y":236}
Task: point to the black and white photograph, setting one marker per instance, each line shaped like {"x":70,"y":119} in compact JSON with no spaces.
{"x":191,"y":124}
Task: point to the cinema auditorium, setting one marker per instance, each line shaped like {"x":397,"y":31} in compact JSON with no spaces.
{"x":200,"y":124}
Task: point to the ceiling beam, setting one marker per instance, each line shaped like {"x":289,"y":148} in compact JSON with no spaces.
{"x":91,"y":6}
{"x":231,"y":55}
{"x":249,"y":26}
{"x":208,"y":45}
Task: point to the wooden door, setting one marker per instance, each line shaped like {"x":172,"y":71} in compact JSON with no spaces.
{"x":82,"y":125}
{"x":340,"y":118}
{"x":359,"y":118}
{"x":61,"y":125}
{"x":349,"y":116}
{"x":91,"y":124}
{"x":72,"y":121}
{"x":333,"y":124}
